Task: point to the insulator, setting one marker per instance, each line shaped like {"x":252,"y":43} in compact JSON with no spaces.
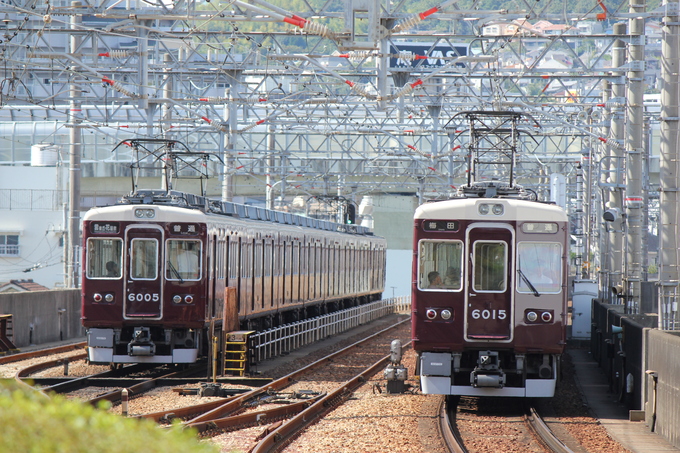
{"x":318,"y":29}
{"x":407,"y":23}
{"x":213,"y":99}
{"x":360,"y":88}
{"x":406,"y":89}
{"x":118,"y":87}
{"x":119,"y":53}
{"x":359,"y":55}
{"x":220,"y":127}
{"x":47,"y":18}
{"x":406,"y":55}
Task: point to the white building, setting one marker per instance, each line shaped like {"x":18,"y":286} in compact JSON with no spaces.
{"x":32,"y":224}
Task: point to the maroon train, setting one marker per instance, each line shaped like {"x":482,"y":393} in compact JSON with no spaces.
{"x":159,"y":265}
{"x":489,"y":296}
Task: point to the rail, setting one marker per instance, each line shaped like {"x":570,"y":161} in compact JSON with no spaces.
{"x":289,"y":337}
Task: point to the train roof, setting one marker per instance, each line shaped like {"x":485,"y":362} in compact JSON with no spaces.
{"x":468,"y":208}
{"x":194,"y":207}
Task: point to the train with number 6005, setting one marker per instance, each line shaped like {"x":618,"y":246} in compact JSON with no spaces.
{"x":489,"y":296}
{"x":165,"y":271}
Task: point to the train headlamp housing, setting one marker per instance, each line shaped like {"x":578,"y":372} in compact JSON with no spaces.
{"x":143,"y":213}
{"x":177,"y":298}
{"x":495,"y":209}
{"x":532,"y":316}
{"x":108,"y":297}
{"x":446,"y":314}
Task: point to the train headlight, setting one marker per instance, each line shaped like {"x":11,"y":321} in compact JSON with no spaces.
{"x":497,"y":209}
{"x":188,"y":298}
{"x":446,"y":314}
{"x":145,"y":213}
{"x":546,"y":316}
{"x":97,"y":297}
{"x":431,"y":313}
{"x":483,"y":209}
{"x":532,"y":316}
{"x":108,"y":297}
{"x":177,"y":298}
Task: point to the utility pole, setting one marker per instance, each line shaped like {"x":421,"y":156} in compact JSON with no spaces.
{"x":75,"y":150}
{"x":669,"y":177}
{"x":634,"y":150}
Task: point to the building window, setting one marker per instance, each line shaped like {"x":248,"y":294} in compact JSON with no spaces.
{"x":9,"y":245}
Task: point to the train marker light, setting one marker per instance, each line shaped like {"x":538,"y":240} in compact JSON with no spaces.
{"x":446,"y":314}
{"x":532,"y":316}
{"x":97,"y":297}
{"x":108,"y":297}
{"x":431,"y":313}
{"x":188,"y":298}
{"x":176,"y":299}
{"x":546,"y":316}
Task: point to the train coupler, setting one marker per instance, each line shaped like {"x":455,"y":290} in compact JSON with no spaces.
{"x":488,"y":372}
{"x":141,"y":344}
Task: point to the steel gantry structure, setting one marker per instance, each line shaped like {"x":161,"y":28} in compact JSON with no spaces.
{"x":355,"y":97}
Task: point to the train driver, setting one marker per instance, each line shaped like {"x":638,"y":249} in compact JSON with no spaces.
{"x":435,"y":280}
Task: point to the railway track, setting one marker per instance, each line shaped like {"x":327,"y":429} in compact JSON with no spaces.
{"x":475,"y":425}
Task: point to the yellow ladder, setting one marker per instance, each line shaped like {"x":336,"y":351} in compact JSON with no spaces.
{"x":236,"y":352}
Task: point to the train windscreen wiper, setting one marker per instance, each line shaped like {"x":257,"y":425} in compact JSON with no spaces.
{"x":175,"y":272}
{"x":526,"y":280}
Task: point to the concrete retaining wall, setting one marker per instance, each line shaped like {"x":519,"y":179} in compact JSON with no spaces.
{"x":43,"y":316}
{"x":662,"y":352}
{"x":627,"y":354}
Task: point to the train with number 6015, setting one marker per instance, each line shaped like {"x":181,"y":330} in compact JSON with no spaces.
{"x":165,"y":271}
{"x":489,"y":295}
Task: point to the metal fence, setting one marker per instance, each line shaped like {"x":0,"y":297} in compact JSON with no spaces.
{"x":32,"y":199}
{"x":274,"y":342}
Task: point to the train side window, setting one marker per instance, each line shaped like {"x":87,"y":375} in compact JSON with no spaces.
{"x":183,"y":259}
{"x":144,"y":259}
{"x":104,"y":258}
{"x":539,"y":263}
{"x":490,"y":265}
{"x":440,"y":265}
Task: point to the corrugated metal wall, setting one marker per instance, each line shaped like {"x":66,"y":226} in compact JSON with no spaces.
{"x":43,"y":316}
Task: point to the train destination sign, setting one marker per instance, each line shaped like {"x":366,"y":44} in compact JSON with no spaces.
{"x":441,"y":225}
{"x":104,"y":227}
{"x":184,"y":229}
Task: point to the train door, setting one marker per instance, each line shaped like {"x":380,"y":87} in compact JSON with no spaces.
{"x":143,"y":287}
{"x":488,"y":310}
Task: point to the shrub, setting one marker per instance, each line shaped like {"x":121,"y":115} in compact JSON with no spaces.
{"x":31,"y":423}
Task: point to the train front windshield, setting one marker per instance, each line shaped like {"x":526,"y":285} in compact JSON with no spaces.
{"x":104,"y":258}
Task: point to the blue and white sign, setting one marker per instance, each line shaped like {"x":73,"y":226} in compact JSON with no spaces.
{"x":437,"y":55}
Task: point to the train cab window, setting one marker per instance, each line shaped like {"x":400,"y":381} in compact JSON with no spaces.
{"x":539,"y":267}
{"x":144,"y":259}
{"x":490,"y":266}
{"x":104,"y":257}
{"x":183,"y":259}
{"x":440,"y":265}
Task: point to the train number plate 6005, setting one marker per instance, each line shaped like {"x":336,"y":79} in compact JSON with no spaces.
{"x":144,"y":297}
